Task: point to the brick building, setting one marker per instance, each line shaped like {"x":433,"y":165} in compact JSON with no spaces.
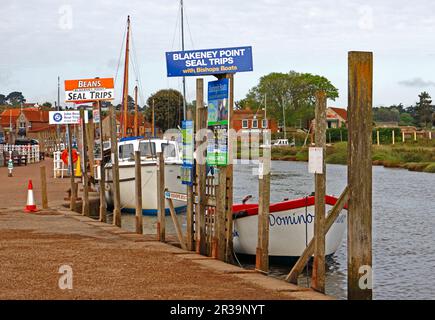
{"x":247,"y":119}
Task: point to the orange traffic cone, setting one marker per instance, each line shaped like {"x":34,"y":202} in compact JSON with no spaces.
{"x":30,"y":207}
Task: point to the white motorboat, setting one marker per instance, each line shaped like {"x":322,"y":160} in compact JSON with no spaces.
{"x":148,"y":149}
{"x":291,"y":225}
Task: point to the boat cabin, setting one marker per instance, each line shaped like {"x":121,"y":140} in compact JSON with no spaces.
{"x":148,"y":149}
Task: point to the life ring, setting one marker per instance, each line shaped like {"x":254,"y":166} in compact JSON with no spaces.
{"x":64,"y":156}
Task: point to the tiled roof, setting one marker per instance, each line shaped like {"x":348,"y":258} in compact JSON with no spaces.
{"x":341,"y":112}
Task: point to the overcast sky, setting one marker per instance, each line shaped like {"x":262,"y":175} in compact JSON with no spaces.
{"x":42,"y":39}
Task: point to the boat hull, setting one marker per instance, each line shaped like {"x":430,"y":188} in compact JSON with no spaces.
{"x":149,"y":187}
{"x":289,"y":233}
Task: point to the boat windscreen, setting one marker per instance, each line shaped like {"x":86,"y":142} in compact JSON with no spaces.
{"x":126,"y":151}
{"x":169,"y":150}
{"x":147,"y":149}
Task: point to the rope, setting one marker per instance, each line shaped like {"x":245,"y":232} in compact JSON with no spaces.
{"x":136,"y":69}
{"x":188,"y":27}
{"x":120,"y":54}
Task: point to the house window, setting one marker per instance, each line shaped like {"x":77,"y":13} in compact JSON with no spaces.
{"x":245,"y":124}
{"x":254,"y":123}
{"x":22,"y":125}
{"x":264,"y":123}
{"x":118,"y":129}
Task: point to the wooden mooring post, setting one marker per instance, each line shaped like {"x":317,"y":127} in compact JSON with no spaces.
{"x":201,"y":171}
{"x":73,"y":198}
{"x":262,"y":253}
{"x":44,"y":188}
{"x":84,"y":158}
{"x":229,"y":175}
{"x":90,"y":130}
{"x":138,"y":192}
{"x":103,"y":211}
{"x":115,"y":169}
{"x":218,"y":242}
{"x":190,"y":219}
{"x":360,"y":89}
{"x":161,"y":197}
{"x":318,"y":275}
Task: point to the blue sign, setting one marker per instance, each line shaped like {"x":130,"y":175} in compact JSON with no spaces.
{"x":188,"y":141}
{"x":57,"y":117}
{"x":217,"y":122}
{"x":209,"y":61}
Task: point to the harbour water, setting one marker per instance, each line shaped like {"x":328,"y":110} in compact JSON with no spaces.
{"x":403,"y":225}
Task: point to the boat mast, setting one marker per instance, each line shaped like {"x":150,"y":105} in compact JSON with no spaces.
{"x":153,"y":126}
{"x":125,"y":89}
{"x":182,"y":48}
{"x":136,"y":131}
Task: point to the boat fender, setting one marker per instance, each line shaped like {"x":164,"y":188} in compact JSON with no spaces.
{"x":240,"y":214}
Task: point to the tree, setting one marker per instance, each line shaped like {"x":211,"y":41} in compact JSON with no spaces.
{"x":406,"y":119}
{"x":3,"y":99}
{"x":386,"y":114}
{"x":47,"y":105}
{"x":291,"y":92}
{"x":168,"y":106}
{"x":15,"y":98}
{"x":424,"y":109}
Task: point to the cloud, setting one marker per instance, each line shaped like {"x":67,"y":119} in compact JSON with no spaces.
{"x":417,"y":82}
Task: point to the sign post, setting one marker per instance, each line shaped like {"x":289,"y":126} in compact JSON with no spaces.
{"x":222,"y":63}
{"x":209,"y":61}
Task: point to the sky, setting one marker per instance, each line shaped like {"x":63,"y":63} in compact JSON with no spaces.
{"x":44,"y":39}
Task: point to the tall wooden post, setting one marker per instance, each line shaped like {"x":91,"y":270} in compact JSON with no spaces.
{"x":189,"y":210}
{"x":262,"y":256}
{"x":415,"y":135}
{"x":103,"y":213}
{"x":318,"y":276}
{"x":125,"y":85}
{"x":138,"y":189}
{"x":115,"y":169}
{"x":360,"y":175}
{"x":218,"y":242}
{"x":153,"y":134}
{"x":393,"y":138}
{"x":85,"y":200}
{"x":201,"y":173}
{"x":72,"y":204}
{"x":377,"y":138}
{"x":229,"y":174}
{"x":44,"y":188}
{"x":90,"y":130}
{"x":161,"y":197}
{"x":403,"y":136}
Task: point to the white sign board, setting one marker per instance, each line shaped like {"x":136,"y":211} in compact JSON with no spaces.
{"x":96,"y":116}
{"x":89,"y":90}
{"x":315,"y":160}
{"x":66,"y":117}
{"x":176,"y":196}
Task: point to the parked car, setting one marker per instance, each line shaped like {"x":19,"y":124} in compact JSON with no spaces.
{"x":283,"y":143}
